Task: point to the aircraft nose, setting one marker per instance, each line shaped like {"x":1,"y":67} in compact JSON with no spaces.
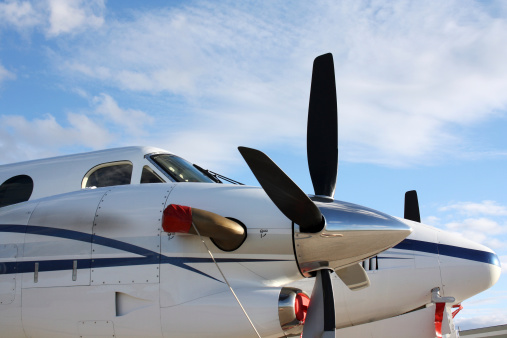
{"x":467,"y":268}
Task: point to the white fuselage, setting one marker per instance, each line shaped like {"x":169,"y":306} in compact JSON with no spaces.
{"x":97,"y":262}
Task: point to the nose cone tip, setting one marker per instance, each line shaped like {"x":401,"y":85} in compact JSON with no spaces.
{"x":496,"y":269}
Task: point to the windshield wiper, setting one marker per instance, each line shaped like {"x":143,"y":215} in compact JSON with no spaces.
{"x":216,"y":177}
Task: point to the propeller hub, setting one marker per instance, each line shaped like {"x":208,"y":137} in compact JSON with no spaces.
{"x":351,"y":234}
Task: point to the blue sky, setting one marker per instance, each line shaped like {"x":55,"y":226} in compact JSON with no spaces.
{"x":421,"y":96}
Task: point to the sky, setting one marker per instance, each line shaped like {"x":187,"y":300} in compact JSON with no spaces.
{"x":421,"y":87}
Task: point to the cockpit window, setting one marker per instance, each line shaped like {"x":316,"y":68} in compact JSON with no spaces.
{"x":149,"y":176}
{"x":179,"y":169}
{"x":108,"y":174}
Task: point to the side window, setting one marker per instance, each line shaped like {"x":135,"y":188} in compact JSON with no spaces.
{"x":16,"y":189}
{"x":149,"y":176}
{"x":108,"y":174}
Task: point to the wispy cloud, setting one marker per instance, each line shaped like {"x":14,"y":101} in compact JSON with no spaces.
{"x":130,"y":121}
{"x":5,"y":74}
{"x":492,"y":318}
{"x":483,"y":222}
{"x":66,"y":16}
{"x":19,"y":14}
{"x":53,"y":17}
{"x":482,"y":230}
{"x":92,"y":128}
{"x":503,"y":262}
{"x":472,"y":208}
{"x":483,"y":310}
{"x":41,"y":137}
{"x":407,"y":73}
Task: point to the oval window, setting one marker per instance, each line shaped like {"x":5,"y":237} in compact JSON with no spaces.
{"x":16,"y":189}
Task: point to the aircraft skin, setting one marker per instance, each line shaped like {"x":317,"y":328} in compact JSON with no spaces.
{"x":97,"y":262}
{"x":58,"y":175}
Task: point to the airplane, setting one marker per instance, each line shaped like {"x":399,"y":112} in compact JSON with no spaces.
{"x":138,"y":242}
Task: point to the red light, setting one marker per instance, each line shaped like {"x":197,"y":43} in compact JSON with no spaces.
{"x":301,"y":306}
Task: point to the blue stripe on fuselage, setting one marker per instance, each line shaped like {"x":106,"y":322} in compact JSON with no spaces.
{"x":449,"y":250}
{"x":149,"y":257}
{"x":152,"y":257}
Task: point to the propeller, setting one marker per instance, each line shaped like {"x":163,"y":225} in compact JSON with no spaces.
{"x":322,"y":152}
{"x":365,"y":235}
{"x":412,"y":206}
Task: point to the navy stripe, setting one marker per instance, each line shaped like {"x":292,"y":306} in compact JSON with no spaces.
{"x":469,"y":254}
{"x":414,"y":245}
{"x":449,"y":250}
{"x":77,"y":236}
{"x":150,"y":257}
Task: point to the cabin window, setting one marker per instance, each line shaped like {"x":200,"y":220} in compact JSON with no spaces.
{"x":108,"y":174}
{"x":16,"y":189}
{"x":149,"y":176}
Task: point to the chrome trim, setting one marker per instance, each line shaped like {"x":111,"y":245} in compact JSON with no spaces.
{"x":351,"y":234}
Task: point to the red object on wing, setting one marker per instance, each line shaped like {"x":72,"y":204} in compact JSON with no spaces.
{"x":177,"y":218}
{"x":301,"y":306}
{"x":439,"y":315}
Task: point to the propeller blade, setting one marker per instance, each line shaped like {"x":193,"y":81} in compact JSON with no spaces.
{"x":322,"y":132}
{"x":284,"y":193}
{"x":320,"y":318}
{"x":412,"y":206}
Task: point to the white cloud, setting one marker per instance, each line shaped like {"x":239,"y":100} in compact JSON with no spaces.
{"x":472,"y":208}
{"x":487,"y":226}
{"x":503,"y":262}
{"x":484,"y":320}
{"x":431,"y":220}
{"x":407,"y":73}
{"x":5,"y":74}
{"x":484,"y":225}
{"x":102,"y":125}
{"x":20,"y":14}
{"x":67,"y":16}
{"x":481,"y":230}
{"x":54,"y":17}
{"x":24,"y":138}
{"x":131,"y":120}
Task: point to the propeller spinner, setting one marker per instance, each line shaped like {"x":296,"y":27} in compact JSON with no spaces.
{"x":328,"y":234}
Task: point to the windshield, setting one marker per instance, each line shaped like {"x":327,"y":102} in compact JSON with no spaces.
{"x":179,"y":169}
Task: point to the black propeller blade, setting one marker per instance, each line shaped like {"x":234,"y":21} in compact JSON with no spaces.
{"x":412,"y":206}
{"x":320,"y":319}
{"x":284,"y":193}
{"x":322,"y":132}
